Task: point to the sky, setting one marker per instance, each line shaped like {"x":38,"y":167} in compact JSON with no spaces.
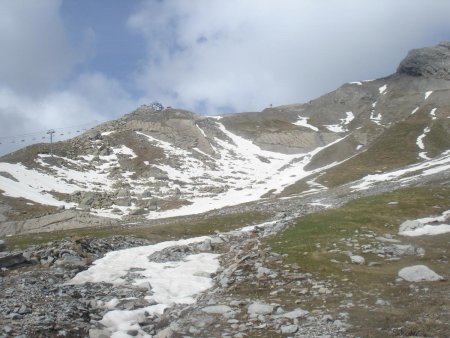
{"x":70,"y":64}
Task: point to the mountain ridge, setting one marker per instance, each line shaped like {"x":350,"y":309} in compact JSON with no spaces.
{"x":154,"y":163}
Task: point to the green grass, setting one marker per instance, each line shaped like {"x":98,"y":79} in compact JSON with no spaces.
{"x":308,"y":242}
{"x":394,"y":148}
{"x":373,"y":213}
{"x":438,"y":139}
{"x":178,"y":228}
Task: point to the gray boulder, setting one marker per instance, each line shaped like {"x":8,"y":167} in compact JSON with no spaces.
{"x":87,"y":199}
{"x":297,"y":313}
{"x":2,"y":245}
{"x":419,"y":273}
{"x":217,"y":309}
{"x":69,"y":261}
{"x":9,"y":261}
{"x":260,"y":309}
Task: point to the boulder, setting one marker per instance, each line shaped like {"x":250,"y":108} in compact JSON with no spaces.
{"x":419,"y":273}
{"x":217,"y":309}
{"x":355,"y":259}
{"x":288,"y":329}
{"x":409,"y":225}
{"x":12,"y":260}
{"x":260,"y":309}
{"x":297,"y":313}
{"x":69,"y":261}
{"x":87,"y":199}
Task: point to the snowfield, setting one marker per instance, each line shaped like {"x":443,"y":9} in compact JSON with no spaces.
{"x":238,"y":172}
{"x":173,"y":282}
{"x":169,"y":283}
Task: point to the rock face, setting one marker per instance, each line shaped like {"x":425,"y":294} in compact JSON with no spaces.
{"x":432,"y":62}
{"x":12,"y":260}
{"x":419,"y":273}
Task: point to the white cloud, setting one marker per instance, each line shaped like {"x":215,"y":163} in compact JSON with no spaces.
{"x":35,"y":52}
{"x":204,"y":55}
{"x":39,"y":86}
{"x":246,"y":54}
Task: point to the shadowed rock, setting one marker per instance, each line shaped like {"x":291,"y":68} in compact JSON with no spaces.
{"x":431,"y":62}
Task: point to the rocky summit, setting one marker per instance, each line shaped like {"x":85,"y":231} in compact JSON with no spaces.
{"x":329,"y":218}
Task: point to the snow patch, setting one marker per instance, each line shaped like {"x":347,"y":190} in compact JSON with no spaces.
{"x":124,"y":150}
{"x":340,"y":128}
{"x":382,"y":89}
{"x":427,"y":94}
{"x":419,"y":141}
{"x":303,"y":122}
{"x":426,"y":226}
{"x":430,"y":167}
{"x":415,"y":110}
{"x":173,"y":282}
{"x":201,"y":130}
{"x":433,"y":113}
{"x":376,"y":118}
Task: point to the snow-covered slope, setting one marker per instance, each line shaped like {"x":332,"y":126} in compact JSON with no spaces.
{"x":154,"y":164}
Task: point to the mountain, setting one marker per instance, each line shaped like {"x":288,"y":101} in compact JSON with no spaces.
{"x":328,"y":218}
{"x":154,"y":163}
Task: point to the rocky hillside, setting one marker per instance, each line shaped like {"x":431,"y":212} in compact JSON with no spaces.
{"x":329,"y":218}
{"x":154,"y":163}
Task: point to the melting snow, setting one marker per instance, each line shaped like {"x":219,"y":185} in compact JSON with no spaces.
{"x":201,"y":130}
{"x":382,"y":89}
{"x":124,"y":150}
{"x":335,"y":128}
{"x":34,"y":185}
{"x":428,"y":94}
{"x":420,"y":144}
{"x":356,"y":83}
{"x":106,"y":133}
{"x":430,"y":167}
{"x":247,"y":176}
{"x":173,"y":282}
{"x":426,"y":226}
{"x":415,"y":110}
{"x":433,"y":113}
{"x":303,"y":122}
{"x":419,"y":141}
{"x":340,"y":128}
{"x":239,"y":172}
{"x":376,"y":118}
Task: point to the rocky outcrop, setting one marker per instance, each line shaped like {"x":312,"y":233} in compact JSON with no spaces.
{"x":430,"y":62}
{"x":67,"y":219}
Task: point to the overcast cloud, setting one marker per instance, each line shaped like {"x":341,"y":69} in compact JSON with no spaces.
{"x":209,"y":56}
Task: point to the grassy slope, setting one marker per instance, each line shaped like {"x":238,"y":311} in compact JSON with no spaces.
{"x":395,"y":148}
{"x":309,"y":241}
